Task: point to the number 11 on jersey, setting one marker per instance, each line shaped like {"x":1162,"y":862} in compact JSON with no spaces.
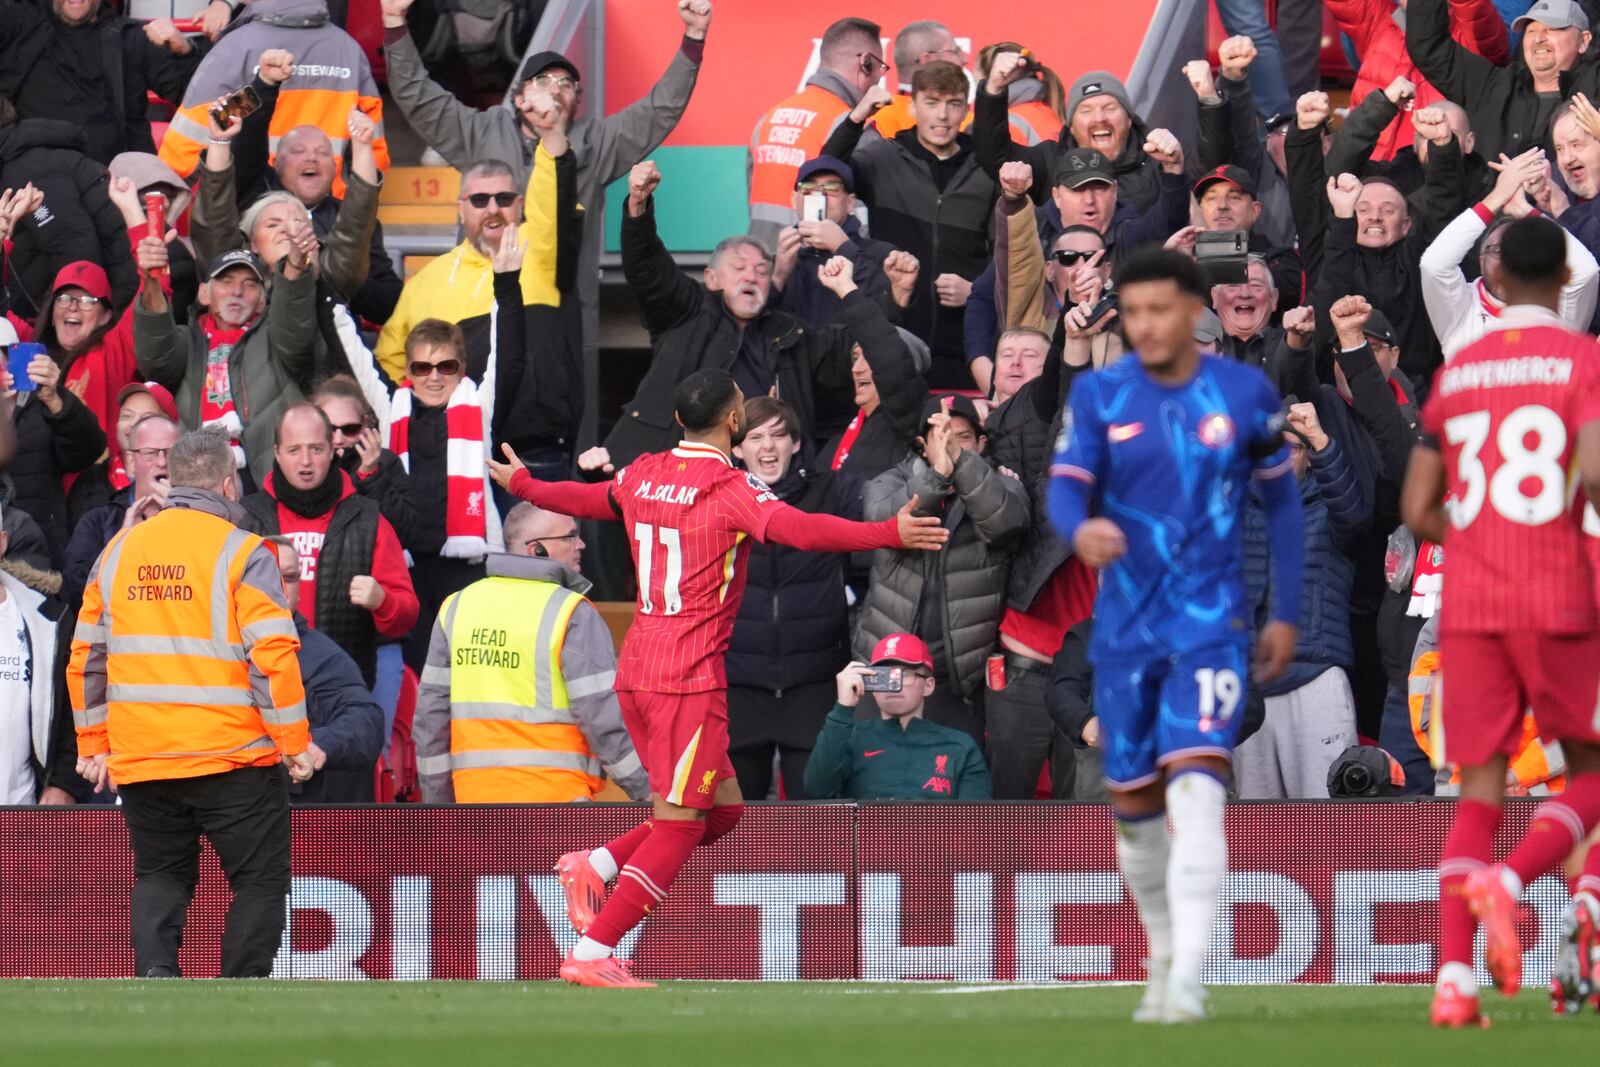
{"x":665,"y":596}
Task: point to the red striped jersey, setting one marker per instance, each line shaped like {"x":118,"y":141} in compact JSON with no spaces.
{"x":1505,"y":413}
{"x":689,"y":515}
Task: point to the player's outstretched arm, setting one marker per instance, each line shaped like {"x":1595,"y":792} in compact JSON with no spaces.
{"x":581,"y":500}
{"x":1286,"y":538}
{"x":1097,"y":542}
{"x":827,"y":533}
{"x":1422,"y":495}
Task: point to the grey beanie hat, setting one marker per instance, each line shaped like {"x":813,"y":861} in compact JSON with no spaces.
{"x":1098,"y":83}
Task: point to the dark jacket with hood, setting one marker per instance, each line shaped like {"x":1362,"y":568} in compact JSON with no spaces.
{"x":345,"y":722}
{"x":939,"y":211}
{"x":1501,"y":102}
{"x":77,"y":220}
{"x":1138,"y":176}
{"x":690,"y":328}
{"x":348,"y":549}
{"x":49,"y":446}
{"x":94,"y":76}
{"x":793,"y":627}
{"x":807,"y":299}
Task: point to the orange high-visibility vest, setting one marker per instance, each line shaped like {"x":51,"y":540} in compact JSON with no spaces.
{"x":1032,"y":122}
{"x":180,"y":666}
{"x":791,"y":133}
{"x":1537,"y":769}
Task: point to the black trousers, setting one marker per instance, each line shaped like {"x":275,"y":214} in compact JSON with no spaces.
{"x":245,"y":816}
{"x":762,"y":724}
{"x":434,"y":578}
{"x":1022,"y":736}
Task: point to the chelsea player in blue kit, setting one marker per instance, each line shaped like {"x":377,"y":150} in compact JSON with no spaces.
{"x":1148,"y":484}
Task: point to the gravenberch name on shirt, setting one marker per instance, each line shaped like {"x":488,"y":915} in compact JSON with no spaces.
{"x":1491,"y":374}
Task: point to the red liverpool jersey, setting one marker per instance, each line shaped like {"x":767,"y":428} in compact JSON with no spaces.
{"x":1506,"y":413}
{"x":689,"y":515}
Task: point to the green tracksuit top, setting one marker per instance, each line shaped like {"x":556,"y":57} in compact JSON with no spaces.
{"x":874,"y":759}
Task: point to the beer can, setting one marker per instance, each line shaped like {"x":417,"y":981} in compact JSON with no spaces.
{"x":995,"y":668}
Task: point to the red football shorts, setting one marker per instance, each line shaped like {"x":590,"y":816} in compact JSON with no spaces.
{"x":682,"y":738}
{"x":1489,"y":680}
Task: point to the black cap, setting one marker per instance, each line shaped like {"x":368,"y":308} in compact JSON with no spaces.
{"x":960,"y":405}
{"x":1378,"y":328}
{"x":1234,"y":175}
{"x":543,"y":61}
{"x":1081,"y":166}
{"x":828,"y":165}
{"x":236,"y":257}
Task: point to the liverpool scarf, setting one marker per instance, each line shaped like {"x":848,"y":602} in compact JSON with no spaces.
{"x":471,"y":523}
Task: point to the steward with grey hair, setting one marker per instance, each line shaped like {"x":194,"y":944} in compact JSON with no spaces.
{"x":730,"y":324}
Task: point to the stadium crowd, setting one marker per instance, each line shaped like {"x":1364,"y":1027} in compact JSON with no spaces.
{"x":927,"y":268}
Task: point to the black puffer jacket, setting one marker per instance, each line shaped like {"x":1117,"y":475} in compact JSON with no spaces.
{"x":985,"y":512}
{"x":96,"y":76}
{"x":690,"y":329}
{"x":49,"y":446}
{"x":1138,"y":176}
{"x":1022,"y":434}
{"x":947,"y":227}
{"x":1500,"y":101}
{"x":792,"y":625}
{"x":77,"y":220}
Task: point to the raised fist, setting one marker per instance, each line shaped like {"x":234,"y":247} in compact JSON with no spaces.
{"x":1312,"y":110}
{"x":902,"y":269}
{"x":696,"y":16}
{"x":1198,"y":71}
{"x":1343,"y":192}
{"x":1350,"y":315}
{"x":1303,"y":417}
{"x":394,"y":12}
{"x":838,"y":276}
{"x":1163,"y":147}
{"x":1400,"y":92}
{"x":276,"y":66}
{"x":1016,"y":179}
{"x":1430,"y":124}
{"x":642,"y":182}
{"x":872,"y":101}
{"x":362,"y":128}
{"x":1235,"y":56}
{"x":1006,"y":68}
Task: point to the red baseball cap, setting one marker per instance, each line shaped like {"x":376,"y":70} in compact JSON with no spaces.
{"x":90,"y":277}
{"x":169,"y":407}
{"x":905,"y":649}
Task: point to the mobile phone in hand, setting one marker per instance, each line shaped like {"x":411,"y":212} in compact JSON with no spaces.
{"x":813,"y":207}
{"x":241,"y":103}
{"x":884,"y":680}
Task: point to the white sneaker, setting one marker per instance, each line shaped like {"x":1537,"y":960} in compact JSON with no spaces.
{"x":1185,"y":1003}
{"x":1155,"y":992}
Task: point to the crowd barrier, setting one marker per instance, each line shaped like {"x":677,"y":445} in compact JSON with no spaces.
{"x":1318,"y":892}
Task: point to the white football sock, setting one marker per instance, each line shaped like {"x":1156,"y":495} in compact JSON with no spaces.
{"x":1142,"y":851}
{"x":603,"y":863}
{"x":1459,"y":975}
{"x":588,"y":948}
{"x":1199,"y":865}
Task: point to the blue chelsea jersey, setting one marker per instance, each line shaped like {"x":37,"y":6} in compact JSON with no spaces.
{"x":1170,"y":465}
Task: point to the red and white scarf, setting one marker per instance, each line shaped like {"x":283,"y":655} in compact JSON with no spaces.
{"x":471,"y":523}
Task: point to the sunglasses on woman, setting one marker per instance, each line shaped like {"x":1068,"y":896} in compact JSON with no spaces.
{"x":481,"y":200}
{"x":446,"y":367}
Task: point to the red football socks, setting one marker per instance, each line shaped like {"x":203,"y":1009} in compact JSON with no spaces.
{"x":643,"y":883}
{"x":1588,"y":881}
{"x":721,"y":819}
{"x":623,"y":848}
{"x":1558,"y":827}
{"x":1469,"y":848}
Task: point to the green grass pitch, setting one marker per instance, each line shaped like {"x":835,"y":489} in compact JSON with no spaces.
{"x":709,"y":1024}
